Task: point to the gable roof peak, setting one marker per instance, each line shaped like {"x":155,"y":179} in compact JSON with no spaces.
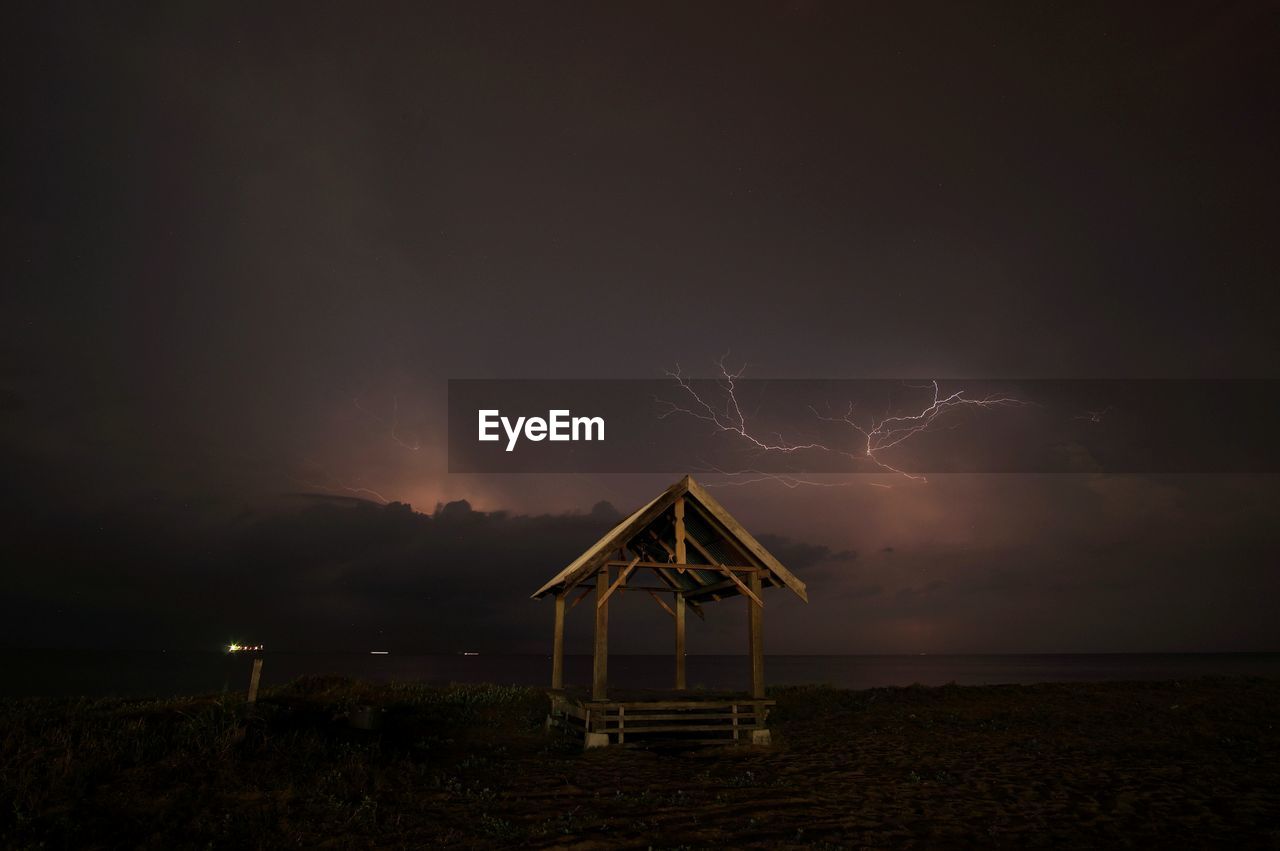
{"x":728,"y":534}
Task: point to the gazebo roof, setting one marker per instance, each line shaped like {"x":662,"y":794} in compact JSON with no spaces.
{"x":714,"y":539}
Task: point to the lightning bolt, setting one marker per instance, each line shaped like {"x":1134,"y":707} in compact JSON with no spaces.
{"x":731,"y":419}
{"x":393,"y":423}
{"x":331,"y":483}
{"x":874,"y":436}
{"x":889,"y":432}
{"x":738,"y":478}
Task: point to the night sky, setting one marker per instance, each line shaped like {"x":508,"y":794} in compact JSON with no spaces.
{"x":247,"y":245}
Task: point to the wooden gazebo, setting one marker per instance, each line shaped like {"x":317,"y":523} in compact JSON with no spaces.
{"x":696,"y":553}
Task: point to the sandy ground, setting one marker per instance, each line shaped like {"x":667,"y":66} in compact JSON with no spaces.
{"x":1083,"y":765}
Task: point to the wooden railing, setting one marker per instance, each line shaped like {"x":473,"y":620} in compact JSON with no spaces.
{"x":725,"y":721}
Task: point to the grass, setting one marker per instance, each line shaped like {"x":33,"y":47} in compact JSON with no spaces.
{"x":470,"y":766}
{"x":214,"y":769}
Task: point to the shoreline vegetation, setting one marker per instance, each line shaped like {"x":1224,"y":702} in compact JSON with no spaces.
{"x":334,"y":762}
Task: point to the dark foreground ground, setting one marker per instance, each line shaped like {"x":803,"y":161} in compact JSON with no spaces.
{"x":1149,"y":764}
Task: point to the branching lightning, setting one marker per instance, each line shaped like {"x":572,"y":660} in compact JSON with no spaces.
{"x":393,"y":424}
{"x":331,"y":483}
{"x":875,"y":437}
{"x":889,"y":432}
{"x":738,"y":478}
{"x":731,"y":419}
{"x":316,"y":478}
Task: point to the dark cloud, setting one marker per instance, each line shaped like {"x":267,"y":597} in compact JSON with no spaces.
{"x":800,"y":555}
{"x":331,"y":573}
{"x":325,"y":572}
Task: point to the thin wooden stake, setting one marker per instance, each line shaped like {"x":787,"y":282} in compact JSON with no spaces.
{"x":254,"y":679}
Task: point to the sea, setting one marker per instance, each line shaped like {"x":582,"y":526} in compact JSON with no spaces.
{"x":68,"y":673}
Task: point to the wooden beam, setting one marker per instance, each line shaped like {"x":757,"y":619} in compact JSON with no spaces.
{"x":671,"y":553}
{"x":686,"y":716}
{"x":725,"y":704}
{"x":755,"y":582}
{"x":702,"y":550}
{"x":580,"y":598}
{"x":728,"y":535}
{"x":722,"y":567}
{"x":557,"y":645}
{"x":665,"y":574}
{"x":681,"y":554}
{"x":666,"y":565}
{"x":588,"y":563}
{"x":661,"y":602}
{"x":712,"y":588}
{"x":600,"y":653}
{"x":661,"y":589}
{"x":705,"y":553}
{"x":755,"y":637}
{"x":706,"y":503}
{"x":622,"y":577}
{"x":680,"y":686}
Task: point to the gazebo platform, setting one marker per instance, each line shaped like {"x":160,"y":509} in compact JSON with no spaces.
{"x":695,"y":554}
{"x":643,"y":718}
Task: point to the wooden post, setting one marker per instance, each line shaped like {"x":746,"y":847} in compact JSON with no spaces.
{"x":680,"y":686}
{"x":254,"y":678}
{"x":755,"y":637}
{"x":557,"y":645}
{"x":681,"y":555}
{"x":600,"y":656}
